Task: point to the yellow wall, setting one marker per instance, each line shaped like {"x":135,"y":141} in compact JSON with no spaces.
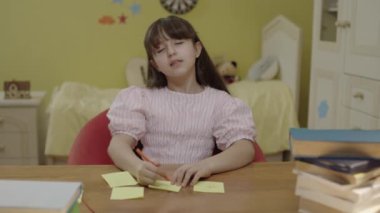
{"x":50,"y":41}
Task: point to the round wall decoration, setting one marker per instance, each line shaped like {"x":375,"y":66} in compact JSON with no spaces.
{"x":178,"y":6}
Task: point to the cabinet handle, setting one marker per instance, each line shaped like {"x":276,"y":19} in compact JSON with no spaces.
{"x":346,"y":24}
{"x":2,"y":148}
{"x":339,"y":23}
{"x":359,"y":95}
{"x":343,"y":24}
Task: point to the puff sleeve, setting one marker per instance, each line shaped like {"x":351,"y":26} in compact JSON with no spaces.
{"x":127,"y":113}
{"x":233,"y":122}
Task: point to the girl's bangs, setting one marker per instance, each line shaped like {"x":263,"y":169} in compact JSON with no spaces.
{"x":164,"y":31}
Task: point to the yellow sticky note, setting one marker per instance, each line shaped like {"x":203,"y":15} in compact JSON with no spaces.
{"x":116,"y":179}
{"x":165,"y":185}
{"x":121,"y":193}
{"x":80,"y":197}
{"x":209,"y":186}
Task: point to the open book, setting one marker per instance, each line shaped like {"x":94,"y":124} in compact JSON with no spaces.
{"x":337,"y":176}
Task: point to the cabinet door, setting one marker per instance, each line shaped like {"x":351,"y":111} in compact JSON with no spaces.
{"x":328,"y":37}
{"x":18,"y":129}
{"x":323,"y":102}
{"x":327,"y":63}
{"x":353,"y":119}
{"x":363,"y":38}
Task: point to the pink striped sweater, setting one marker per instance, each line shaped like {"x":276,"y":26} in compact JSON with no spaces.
{"x":177,"y":128}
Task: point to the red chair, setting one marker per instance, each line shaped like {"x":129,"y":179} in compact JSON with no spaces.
{"x":259,"y":155}
{"x":90,"y":146}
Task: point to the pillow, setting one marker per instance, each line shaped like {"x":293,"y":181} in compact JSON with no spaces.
{"x":265,"y":69}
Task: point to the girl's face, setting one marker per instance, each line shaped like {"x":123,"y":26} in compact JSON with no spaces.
{"x":176,"y":57}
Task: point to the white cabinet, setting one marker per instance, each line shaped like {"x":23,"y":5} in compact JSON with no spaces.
{"x":345,"y":67}
{"x":18,"y":130}
{"x":363,"y":38}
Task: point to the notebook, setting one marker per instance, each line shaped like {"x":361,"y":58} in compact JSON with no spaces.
{"x":38,"y":196}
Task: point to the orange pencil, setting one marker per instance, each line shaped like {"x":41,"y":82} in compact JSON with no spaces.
{"x":145,"y":158}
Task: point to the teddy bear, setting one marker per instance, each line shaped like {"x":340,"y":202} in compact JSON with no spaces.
{"x":228,"y":71}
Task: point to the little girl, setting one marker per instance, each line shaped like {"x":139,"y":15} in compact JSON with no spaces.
{"x":183,"y":115}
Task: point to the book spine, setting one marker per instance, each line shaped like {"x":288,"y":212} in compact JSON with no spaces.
{"x":308,"y":206}
{"x":310,"y":182}
{"x":330,"y":201}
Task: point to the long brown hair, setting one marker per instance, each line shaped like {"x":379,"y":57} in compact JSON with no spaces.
{"x":178,"y":28}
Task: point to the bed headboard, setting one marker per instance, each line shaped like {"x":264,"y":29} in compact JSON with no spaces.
{"x":283,"y":39}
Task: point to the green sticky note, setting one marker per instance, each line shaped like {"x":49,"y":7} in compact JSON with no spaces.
{"x":122,"y":193}
{"x":165,"y":185}
{"x":116,"y":179}
{"x":74,"y":208}
{"x":209,"y":186}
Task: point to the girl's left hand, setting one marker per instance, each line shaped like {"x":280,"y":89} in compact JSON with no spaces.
{"x":190,"y":174}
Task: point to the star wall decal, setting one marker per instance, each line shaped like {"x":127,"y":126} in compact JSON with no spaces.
{"x":122,"y":19}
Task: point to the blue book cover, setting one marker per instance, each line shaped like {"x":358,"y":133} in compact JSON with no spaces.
{"x":338,"y":135}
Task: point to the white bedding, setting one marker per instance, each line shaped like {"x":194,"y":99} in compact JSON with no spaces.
{"x":273,"y":110}
{"x":73,"y":104}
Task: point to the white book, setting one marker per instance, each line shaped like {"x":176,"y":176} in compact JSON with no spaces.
{"x":308,"y":206}
{"x":38,"y":196}
{"x":371,"y":205}
{"x":349,"y":192}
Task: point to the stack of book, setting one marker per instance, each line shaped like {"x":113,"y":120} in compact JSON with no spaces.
{"x":337,"y":170}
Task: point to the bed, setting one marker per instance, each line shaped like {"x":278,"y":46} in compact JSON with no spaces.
{"x":274,"y":103}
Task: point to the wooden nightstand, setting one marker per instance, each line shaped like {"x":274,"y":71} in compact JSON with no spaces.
{"x":19,"y":129}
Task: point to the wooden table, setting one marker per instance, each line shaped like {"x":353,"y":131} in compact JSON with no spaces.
{"x":262,"y":187}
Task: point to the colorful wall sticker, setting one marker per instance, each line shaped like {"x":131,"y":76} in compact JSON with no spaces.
{"x":135,"y":8}
{"x":122,"y":19}
{"x":118,"y":1}
{"x":323,"y":109}
{"x":106,"y":20}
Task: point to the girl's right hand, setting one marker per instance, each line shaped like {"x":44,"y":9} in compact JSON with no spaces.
{"x":146,"y":173}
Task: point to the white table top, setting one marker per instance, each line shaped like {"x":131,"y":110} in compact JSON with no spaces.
{"x":35,"y":100}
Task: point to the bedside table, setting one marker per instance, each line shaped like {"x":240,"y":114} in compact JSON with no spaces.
{"x":19,"y":129}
